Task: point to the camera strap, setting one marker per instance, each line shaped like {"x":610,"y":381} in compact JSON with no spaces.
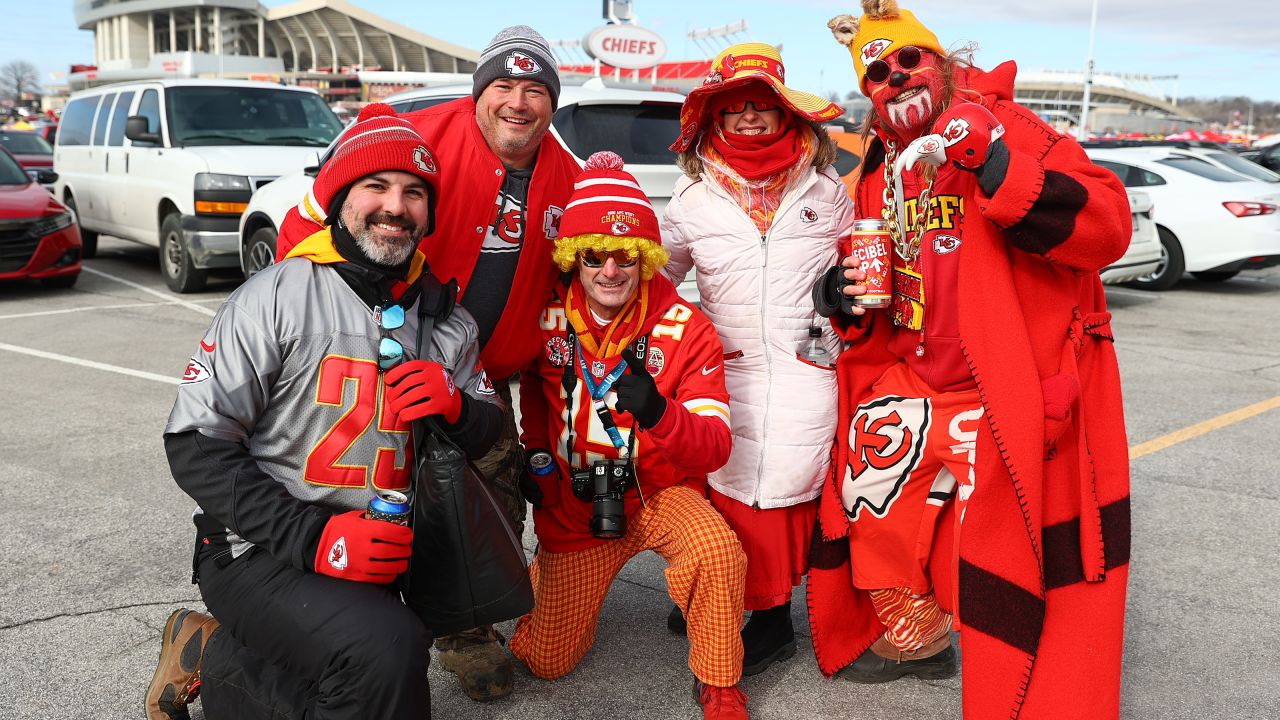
{"x":597,"y":391}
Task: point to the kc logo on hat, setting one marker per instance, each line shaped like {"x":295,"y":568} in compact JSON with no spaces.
{"x":520,"y":64}
{"x":423,"y":159}
{"x":874,"y":49}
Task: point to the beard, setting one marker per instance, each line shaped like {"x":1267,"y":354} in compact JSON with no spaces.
{"x":910,"y":116}
{"x":380,"y":248}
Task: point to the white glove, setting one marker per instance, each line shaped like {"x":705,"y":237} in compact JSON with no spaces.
{"x":928,"y":149}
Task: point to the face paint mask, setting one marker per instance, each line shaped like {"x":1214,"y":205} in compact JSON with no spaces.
{"x":908,"y":98}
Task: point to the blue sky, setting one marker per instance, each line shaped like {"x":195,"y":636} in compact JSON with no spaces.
{"x":1214,"y":53}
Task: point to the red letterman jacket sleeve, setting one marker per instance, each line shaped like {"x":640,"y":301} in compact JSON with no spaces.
{"x":694,"y":433}
{"x":1050,"y":199}
{"x":533,"y":408}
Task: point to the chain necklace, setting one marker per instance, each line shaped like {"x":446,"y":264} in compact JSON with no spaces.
{"x":905,"y":242}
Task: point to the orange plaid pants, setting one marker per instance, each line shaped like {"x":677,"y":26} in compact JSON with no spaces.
{"x":706,"y":572}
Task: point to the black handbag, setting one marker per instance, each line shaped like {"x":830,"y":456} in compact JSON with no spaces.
{"x":468,"y":567}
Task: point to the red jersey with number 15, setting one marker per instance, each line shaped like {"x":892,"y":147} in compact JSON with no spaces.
{"x":692,"y":439}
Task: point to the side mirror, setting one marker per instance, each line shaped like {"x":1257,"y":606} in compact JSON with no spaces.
{"x":46,"y":177}
{"x":135,"y":128}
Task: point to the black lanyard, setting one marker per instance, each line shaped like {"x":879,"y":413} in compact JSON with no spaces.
{"x":570,"y":383}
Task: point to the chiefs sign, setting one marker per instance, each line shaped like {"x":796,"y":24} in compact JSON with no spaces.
{"x":629,"y":47}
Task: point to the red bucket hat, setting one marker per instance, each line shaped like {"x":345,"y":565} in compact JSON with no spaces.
{"x":736,"y":66}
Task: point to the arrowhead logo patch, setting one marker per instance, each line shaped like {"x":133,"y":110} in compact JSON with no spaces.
{"x":338,"y":554}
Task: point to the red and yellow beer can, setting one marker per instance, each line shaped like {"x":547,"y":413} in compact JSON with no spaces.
{"x":869,"y":245}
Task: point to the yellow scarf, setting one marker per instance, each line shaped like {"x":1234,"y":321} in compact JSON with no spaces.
{"x":624,"y":328}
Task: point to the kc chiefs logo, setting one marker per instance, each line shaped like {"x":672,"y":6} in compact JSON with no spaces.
{"x":886,"y":442}
{"x":874,"y":49}
{"x":956,"y":130}
{"x":423,"y":159}
{"x":520,"y":64}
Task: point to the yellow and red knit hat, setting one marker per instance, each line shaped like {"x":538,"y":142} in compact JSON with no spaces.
{"x":740,"y":64}
{"x":378,"y":140}
{"x":881,"y":31}
{"x":609,"y":211}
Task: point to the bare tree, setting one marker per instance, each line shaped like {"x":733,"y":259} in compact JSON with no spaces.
{"x":18,"y":77}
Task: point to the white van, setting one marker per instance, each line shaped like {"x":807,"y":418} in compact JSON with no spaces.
{"x":173,"y":163}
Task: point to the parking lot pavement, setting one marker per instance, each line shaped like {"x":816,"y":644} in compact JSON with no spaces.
{"x":95,"y":541}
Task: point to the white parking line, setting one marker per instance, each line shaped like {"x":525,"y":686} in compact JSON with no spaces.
{"x":100,"y":307}
{"x":90,"y":364}
{"x":170,"y":298}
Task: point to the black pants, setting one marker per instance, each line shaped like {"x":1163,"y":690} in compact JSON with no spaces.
{"x":297,"y":645}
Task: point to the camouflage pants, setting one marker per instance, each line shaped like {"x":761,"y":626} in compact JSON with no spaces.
{"x":504,"y":462}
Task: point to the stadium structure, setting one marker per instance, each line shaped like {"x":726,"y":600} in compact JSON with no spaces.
{"x":348,"y":53}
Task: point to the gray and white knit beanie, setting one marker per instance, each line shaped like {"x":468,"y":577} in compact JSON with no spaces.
{"x":521,"y":53}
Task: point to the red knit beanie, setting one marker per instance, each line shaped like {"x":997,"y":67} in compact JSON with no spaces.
{"x":609,"y":211}
{"x":378,"y":140}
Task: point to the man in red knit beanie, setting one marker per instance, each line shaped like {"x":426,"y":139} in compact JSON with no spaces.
{"x":620,"y":467}
{"x":969,"y":491}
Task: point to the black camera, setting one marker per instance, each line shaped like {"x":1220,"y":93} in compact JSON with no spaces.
{"x":603,"y":485}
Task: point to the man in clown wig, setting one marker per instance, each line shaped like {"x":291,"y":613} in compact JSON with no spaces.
{"x":630,"y":384}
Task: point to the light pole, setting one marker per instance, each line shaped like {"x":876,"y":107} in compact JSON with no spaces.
{"x":1082,"y":132}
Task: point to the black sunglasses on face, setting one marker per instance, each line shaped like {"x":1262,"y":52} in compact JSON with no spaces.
{"x":908,"y":57}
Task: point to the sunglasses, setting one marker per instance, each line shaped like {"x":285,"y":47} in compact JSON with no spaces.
{"x":908,"y":57}
{"x":741,"y":107}
{"x":390,"y":351}
{"x":597,"y":258}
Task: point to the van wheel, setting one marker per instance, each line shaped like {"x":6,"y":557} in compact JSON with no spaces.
{"x":260,"y":252}
{"x":1170,"y":269}
{"x":180,"y":274}
{"x":88,"y":238}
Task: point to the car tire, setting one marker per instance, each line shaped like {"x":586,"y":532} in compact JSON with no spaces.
{"x":1170,"y":269}
{"x":61,"y":282}
{"x":259,"y":252}
{"x":180,"y":273}
{"x":88,"y":238}
{"x":1215,"y":275}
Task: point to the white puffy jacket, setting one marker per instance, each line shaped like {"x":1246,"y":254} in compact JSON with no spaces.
{"x":756,"y":290}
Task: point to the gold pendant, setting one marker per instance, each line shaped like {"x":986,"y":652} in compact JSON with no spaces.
{"x":908,"y":298}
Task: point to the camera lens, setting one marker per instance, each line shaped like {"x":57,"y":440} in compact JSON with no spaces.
{"x":608,"y":519}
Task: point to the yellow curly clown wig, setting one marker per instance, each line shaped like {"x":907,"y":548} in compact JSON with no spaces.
{"x":652,"y":255}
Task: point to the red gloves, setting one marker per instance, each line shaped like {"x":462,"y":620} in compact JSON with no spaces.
{"x":353,"y":547}
{"x":420,"y":388}
{"x":967,"y":131}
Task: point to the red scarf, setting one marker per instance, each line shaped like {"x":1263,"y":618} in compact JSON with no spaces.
{"x":756,"y":157}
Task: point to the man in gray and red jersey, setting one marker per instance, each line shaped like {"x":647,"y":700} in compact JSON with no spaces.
{"x":294,"y":411}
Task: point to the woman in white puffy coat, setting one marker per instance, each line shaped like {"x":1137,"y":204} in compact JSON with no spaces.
{"x":758,"y":216}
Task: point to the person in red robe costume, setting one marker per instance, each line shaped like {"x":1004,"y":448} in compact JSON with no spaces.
{"x":969,"y":490}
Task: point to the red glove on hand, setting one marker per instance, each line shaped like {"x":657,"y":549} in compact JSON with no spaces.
{"x":967,"y":131}
{"x":420,"y":388}
{"x":353,"y":547}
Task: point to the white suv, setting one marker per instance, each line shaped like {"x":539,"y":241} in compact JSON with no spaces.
{"x":636,"y":124}
{"x":173,"y":163}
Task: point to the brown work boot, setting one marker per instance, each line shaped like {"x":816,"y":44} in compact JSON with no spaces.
{"x":476,"y":656}
{"x":177,"y":678}
{"x":882,"y":662}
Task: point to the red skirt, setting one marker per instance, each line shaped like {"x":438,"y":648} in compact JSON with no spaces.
{"x":776,"y":542}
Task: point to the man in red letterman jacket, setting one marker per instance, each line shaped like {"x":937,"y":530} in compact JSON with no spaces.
{"x":509,"y":183}
{"x":970,"y":490}
{"x":627,"y":370}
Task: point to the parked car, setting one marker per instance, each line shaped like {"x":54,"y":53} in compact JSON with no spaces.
{"x":1143,"y":256}
{"x":1212,"y":222}
{"x":29,"y":149}
{"x":38,"y":235}
{"x":173,"y":163}
{"x":1268,"y":157}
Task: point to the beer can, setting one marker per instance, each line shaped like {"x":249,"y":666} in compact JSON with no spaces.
{"x":869,"y":245}
{"x":541,"y":463}
{"x":389,"y":506}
